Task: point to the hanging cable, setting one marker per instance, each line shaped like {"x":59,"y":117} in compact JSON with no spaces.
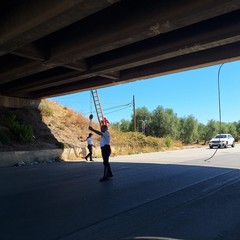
{"x":219,"y":109}
{"x":219,"y":100}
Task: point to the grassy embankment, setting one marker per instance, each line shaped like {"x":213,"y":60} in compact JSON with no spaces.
{"x":54,"y":125}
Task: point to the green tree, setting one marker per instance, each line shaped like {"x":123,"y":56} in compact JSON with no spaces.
{"x":223,"y":128}
{"x":189,"y":133}
{"x":201,"y":133}
{"x":123,"y":125}
{"x":232,"y":129}
{"x":211,"y":130}
{"x":164,"y":123}
{"x":237,"y":130}
{"x":143,"y":119}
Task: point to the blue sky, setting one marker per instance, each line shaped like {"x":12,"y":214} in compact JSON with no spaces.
{"x":193,"y":92}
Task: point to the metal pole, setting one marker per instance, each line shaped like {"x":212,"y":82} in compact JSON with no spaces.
{"x":134,"y":115}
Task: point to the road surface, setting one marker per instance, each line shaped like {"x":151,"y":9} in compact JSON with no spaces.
{"x":169,"y":195}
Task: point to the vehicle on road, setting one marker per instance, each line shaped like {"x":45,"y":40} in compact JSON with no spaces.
{"x":222,"y":140}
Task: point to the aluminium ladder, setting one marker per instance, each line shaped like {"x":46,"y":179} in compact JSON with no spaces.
{"x":97,"y":105}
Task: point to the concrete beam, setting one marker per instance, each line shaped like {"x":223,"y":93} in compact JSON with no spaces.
{"x":12,"y":102}
{"x":32,"y":20}
{"x":181,"y":63}
{"x":131,"y":28}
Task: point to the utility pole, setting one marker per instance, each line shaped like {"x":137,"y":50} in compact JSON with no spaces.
{"x":134,"y":116}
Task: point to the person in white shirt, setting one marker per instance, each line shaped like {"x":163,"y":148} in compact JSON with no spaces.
{"x":105,"y":149}
{"x":90,"y":146}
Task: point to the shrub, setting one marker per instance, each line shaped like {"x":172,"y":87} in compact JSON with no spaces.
{"x":23,"y":132}
{"x":168,"y":142}
{"x":61,"y":127}
{"x":4,"y":138}
{"x":46,"y":110}
{"x":153,"y":143}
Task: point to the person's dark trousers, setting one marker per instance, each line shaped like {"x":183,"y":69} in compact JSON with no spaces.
{"x":106,"y":152}
{"x":90,"y":152}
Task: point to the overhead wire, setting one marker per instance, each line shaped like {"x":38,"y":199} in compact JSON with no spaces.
{"x":108,"y":111}
{"x":219,"y":110}
{"x":123,"y":106}
{"x":118,"y":110}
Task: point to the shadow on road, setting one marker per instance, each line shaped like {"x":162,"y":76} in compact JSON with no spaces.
{"x":142,"y":201}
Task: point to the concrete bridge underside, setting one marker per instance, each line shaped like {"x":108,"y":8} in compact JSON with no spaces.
{"x":50,"y":48}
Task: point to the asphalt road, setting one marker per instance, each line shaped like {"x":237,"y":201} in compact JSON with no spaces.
{"x":170,"y":195}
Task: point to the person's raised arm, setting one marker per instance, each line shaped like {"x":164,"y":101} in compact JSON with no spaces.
{"x":94,"y":130}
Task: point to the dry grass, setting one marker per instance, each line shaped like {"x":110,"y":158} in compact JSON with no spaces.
{"x":69,"y":127}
